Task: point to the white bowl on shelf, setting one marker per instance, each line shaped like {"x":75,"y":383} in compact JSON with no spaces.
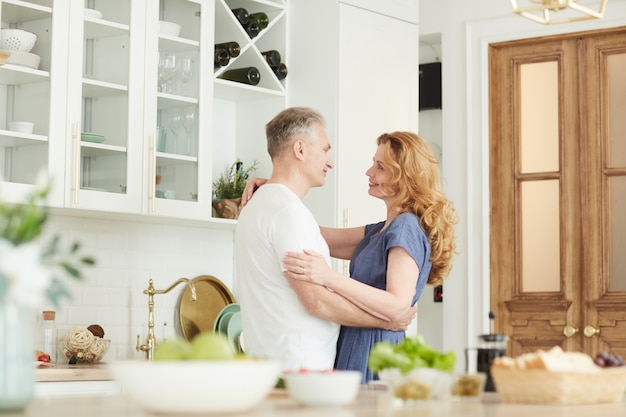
{"x":169,"y":28}
{"x":96,"y":14}
{"x":17,"y":39}
{"x":25,"y":59}
{"x":21,"y":127}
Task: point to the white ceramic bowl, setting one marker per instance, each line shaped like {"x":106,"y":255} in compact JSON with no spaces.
{"x":323,"y":388}
{"x":17,"y":40}
{"x":418,"y":384}
{"x":197,"y":386}
{"x":22,"y":127}
{"x":169,"y":28}
{"x":25,"y":59}
{"x":96,"y":14}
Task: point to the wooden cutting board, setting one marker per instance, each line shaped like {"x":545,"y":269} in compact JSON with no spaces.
{"x":80,"y":372}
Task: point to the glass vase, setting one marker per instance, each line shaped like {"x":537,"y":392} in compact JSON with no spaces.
{"x":17,"y":371}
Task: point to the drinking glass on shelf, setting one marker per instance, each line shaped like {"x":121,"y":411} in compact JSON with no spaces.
{"x":189,"y":123}
{"x":176,"y":124}
{"x":185,"y":72}
{"x":167,"y":71}
{"x":161,"y":139}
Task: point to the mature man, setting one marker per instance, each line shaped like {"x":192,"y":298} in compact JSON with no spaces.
{"x":293,"y":321}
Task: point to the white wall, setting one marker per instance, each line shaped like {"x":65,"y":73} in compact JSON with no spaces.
{"x":466,"y":29}
{"x":128,"y":254}
{"x":430,"y":313}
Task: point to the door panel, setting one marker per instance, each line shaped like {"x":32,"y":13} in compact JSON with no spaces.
{"x":605,"y":63}
{"x":557,"y":192}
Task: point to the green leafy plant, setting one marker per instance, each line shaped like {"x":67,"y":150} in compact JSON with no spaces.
{"x":233,"y":181}
{"x":409,"y":354}
{"x":30,"y":270}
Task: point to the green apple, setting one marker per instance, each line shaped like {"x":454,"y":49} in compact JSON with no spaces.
{"x":172,"y":349}
{"x":211,"y":346}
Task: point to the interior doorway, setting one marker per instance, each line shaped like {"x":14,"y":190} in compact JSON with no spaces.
{"x":558,"y":191}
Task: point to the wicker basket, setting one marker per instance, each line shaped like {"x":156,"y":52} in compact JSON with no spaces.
{"x":536,"y":386}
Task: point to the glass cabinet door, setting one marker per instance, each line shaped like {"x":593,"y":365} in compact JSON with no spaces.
{"x":177,"y":105}
{"x":104,"y":118}
{"x":28,"y":123}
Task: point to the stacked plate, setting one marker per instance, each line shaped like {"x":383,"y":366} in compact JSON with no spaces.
{"x":91,"y":137}
{"x":19,"y":43}
{"x":228,"y":322}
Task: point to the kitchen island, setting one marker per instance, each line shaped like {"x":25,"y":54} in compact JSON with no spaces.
{"x":371,"y":402}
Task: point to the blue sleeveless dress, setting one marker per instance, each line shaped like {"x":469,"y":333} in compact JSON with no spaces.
{"x":369,"y":265}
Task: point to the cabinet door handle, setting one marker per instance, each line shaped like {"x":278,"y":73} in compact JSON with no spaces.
{"x":570,"y":331}
{"x":152,"y":195}
{"x":590,"y":331}
{"x":76,"y":139}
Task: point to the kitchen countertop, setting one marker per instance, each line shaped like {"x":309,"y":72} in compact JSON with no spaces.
{"x":370,"y":403}
{"x":63,"y":372}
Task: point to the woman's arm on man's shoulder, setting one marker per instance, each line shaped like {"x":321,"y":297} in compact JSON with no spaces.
{"x":342,"y":242}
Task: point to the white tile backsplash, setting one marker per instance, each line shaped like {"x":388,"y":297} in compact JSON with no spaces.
{"x":128,"y":254}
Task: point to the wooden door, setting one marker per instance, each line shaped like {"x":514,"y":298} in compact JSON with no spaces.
{"x":558,"y":192}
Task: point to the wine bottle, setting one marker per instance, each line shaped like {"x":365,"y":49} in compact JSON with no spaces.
{"x":221,"y":57}
{"x":272,"y":57}
{"x":232,"y":48}
{"x":247,"y":75}
{"x":261,"y":18}
{"x":280,"y":71}
{"x":252,"y":29}
{"x":242,"y":15}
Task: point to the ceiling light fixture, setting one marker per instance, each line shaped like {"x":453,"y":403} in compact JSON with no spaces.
{"x":544,"y":11}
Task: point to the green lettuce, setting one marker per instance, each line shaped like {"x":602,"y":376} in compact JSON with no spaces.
{"x":409,"y":354}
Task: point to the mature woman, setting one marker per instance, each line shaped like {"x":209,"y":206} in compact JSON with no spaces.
{"x":391,"y":261}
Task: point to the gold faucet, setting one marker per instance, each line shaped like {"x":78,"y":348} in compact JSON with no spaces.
{"x":148,"y":347}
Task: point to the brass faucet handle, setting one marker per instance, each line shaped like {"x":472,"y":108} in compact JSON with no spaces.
{"x":142,"y":348}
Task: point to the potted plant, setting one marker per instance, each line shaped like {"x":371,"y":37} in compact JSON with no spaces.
{"x":227,"y":190}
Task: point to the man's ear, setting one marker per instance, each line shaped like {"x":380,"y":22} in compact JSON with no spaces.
{"x":298,"y":149}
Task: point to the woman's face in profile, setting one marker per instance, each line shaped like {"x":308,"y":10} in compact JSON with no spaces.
{"x":378,"y":175}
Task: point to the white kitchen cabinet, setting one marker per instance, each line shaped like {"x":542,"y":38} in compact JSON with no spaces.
{"x":27,"y":93}
{"x":65,"y":389}
{"x":400,"y":9}
{"x":104,"y":78}
{"x":362,"y":73}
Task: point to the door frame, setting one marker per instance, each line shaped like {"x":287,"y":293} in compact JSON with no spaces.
{"x":468,"y":291}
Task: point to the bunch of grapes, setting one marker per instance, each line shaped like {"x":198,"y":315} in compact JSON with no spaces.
{"x":605,"y":360}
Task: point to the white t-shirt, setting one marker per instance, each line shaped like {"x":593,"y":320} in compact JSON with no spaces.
{"x":275,"y":323}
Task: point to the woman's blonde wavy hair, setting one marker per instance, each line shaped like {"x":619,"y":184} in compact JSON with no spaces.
{"x":417,"y":185}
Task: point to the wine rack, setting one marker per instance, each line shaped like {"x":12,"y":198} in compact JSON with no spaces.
{"x":241,"y":110}
{"x":228,"y":28}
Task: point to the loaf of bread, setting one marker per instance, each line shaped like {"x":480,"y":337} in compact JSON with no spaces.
{"x":553,"y":360}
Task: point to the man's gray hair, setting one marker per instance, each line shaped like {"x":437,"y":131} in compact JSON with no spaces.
{"x":289,"y":123}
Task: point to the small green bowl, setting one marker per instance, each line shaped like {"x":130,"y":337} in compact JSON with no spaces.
{"x":92,"y":137}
